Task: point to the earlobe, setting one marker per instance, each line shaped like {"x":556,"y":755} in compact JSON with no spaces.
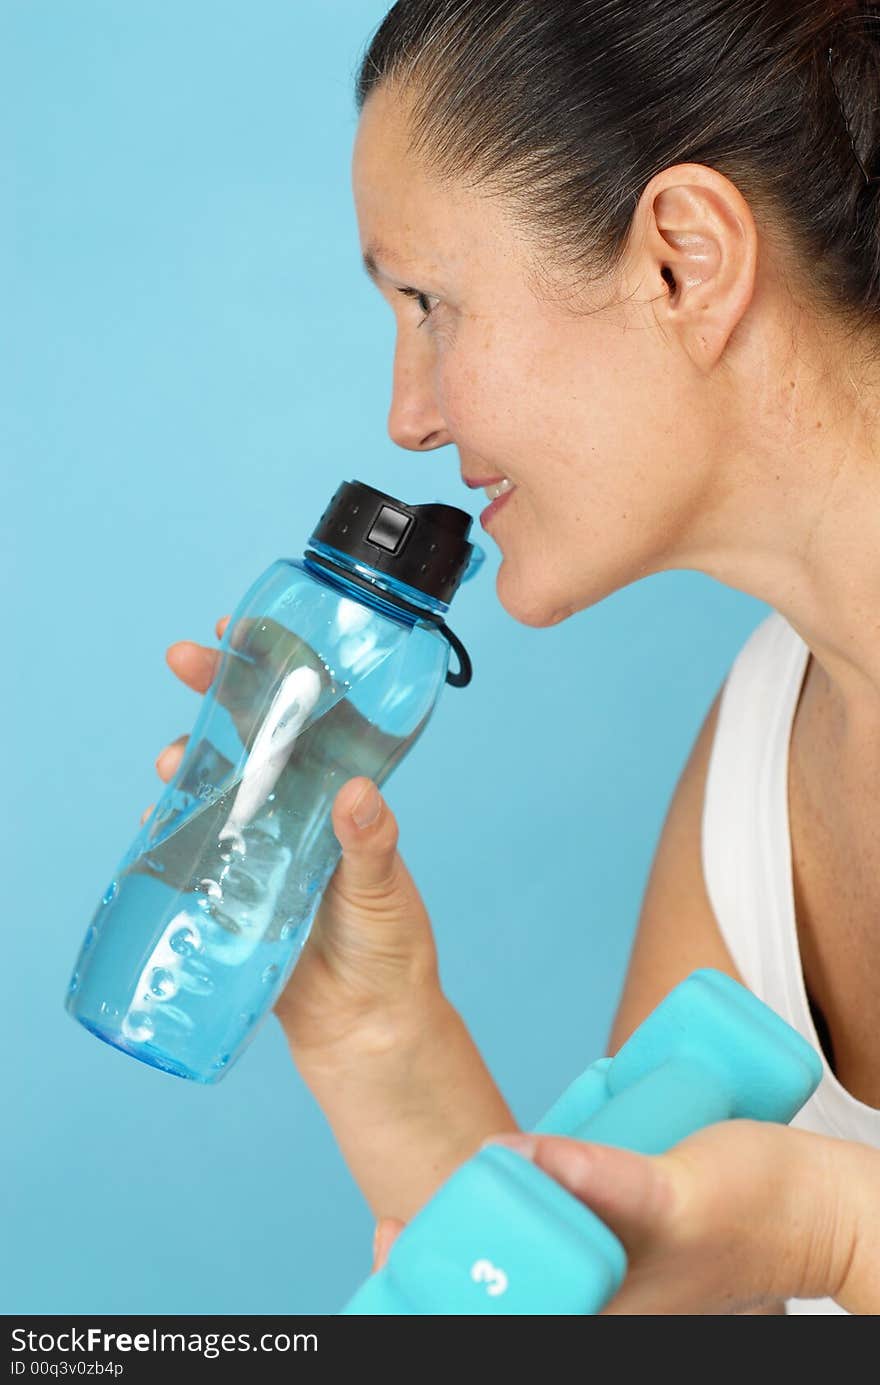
{"x":702,"y":244}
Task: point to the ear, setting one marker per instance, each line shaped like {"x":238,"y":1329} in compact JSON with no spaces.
{"x":700,"y":247}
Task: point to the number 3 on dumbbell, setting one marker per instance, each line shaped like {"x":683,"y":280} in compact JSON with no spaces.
{"x":484,"y":1272}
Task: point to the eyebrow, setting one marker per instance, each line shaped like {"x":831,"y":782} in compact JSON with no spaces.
{"x":370,"y":264}
{"x":373,"y":251}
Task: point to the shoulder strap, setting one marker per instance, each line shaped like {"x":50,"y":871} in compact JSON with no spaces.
{"x":742,"y":851}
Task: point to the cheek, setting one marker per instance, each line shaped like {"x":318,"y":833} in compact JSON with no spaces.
{"x":482,"y":386}
{"x":490,"y":415}
{"x":577,"y":424}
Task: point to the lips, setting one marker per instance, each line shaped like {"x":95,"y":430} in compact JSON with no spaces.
{"x":484,"y":481}
{"x":495,"y":505}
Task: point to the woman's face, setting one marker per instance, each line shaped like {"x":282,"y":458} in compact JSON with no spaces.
{"x":596,"y":419}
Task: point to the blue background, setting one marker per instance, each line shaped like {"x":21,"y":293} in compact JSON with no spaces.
{"x":191,"y":360}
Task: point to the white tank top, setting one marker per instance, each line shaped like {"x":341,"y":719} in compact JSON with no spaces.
{"x":746,"y":852}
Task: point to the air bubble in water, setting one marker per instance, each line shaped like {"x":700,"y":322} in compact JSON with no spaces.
{"x":162,"y":983}
{"x":270,"y":974}
{"x":289,"y":929}
{"x":74,"y":984}
{"x":91,"y":935}
{"x":186,"y":941}
{"x":110,"y":892}
{"x":138,"y":1027}
{"x":197,"y":982}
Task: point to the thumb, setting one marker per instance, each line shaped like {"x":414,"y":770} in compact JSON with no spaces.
{"x":632,"y":1193}
{"x":368,"y":833}
{"x":372,"y":916}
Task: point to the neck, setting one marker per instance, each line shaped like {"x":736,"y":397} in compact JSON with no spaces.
{"x":795,"y":519}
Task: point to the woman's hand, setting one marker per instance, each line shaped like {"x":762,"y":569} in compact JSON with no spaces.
{"x":736,"y":1217}
{"x":386,"y":1055}
{"x":369,"y":965}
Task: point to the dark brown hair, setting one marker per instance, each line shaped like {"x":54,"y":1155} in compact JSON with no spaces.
{"x":567,"y":109}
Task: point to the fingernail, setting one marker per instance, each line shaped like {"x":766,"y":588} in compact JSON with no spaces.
{"x":522,"y":1143}
{"x":366,"y":810}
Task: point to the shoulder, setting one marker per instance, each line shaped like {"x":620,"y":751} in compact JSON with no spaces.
{"x":677,"y":930}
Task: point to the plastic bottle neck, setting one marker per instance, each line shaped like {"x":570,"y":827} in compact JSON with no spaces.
{"x":380,"y":589}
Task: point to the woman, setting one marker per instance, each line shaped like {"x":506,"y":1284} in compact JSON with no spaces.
{"x":634,"y":257}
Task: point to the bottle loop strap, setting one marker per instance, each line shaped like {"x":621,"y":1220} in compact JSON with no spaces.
{"x":458,"y":678}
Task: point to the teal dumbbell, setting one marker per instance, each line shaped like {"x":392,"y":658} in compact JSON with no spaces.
{"x":502,"y":1237}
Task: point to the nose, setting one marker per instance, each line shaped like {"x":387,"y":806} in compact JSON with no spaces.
{"x":415,"y":420}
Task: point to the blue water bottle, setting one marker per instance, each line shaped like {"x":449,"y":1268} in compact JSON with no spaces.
{"x":330,"y":668}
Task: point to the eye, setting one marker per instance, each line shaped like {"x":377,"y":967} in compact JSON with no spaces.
{"x":423,"y":301}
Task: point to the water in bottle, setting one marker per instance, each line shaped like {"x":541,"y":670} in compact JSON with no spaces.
{"x":330,"y":668}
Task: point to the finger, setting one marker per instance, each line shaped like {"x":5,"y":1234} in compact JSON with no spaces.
{"x":256,"y":636}
{"x":168,"y":760}
{"x":194,"y":664}
{"x":632,"y":1193}
{"x":146,"y":813}
{"x":368,"y":833}
{"x":272,"y":645}
{"x":241,"y":636}
{"x":221,"y":625}
{"x":387,"y":1231}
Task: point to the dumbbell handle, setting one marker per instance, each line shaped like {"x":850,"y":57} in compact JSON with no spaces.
{"x":650,"y":1115}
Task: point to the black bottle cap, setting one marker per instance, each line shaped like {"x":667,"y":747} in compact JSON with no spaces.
{"x":425,"y":546}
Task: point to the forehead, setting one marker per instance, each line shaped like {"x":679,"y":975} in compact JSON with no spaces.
{"x":408,"y":220}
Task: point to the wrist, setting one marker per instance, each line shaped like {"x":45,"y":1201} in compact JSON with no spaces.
{"x":408,"y":1100}
{"x":379,"y":1041}
{"x":854,"y":1280}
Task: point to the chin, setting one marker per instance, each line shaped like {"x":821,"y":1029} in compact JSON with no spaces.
{"x":533,"y":607}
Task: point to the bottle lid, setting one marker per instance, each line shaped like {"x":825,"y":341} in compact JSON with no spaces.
{"x":425,"y":546}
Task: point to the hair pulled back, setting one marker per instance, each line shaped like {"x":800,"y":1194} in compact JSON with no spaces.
{"x":567,"y":108}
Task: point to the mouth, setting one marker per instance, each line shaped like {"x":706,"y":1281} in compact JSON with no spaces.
{"x":484,"y":481}
{"x":495,"y":488}
{"x":498,"y":495}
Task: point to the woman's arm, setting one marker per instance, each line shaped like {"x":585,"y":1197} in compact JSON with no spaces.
{"x":408,"y":1103}
{"x":677,"y":930}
